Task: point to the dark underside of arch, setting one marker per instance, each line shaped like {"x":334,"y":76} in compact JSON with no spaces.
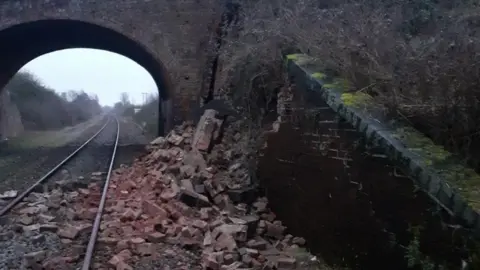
{"x":21,"y":43}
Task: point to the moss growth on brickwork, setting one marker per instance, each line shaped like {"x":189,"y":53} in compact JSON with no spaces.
{"x":293,"y":56}
{"x":300,"y":59}
{"x":465,"y":180}
{"x":418,"y":143}
{"x":356,"y":100}
{"x":338,"y":84}
{"x":319,"y":75}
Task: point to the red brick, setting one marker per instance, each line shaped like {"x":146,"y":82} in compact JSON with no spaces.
{"x":122,"y":245}
{"x":209,"y":261}
{"x":123,"y":266}
{"x":156,"y":237}
{"x":200,"y":224}
{"x":144,"y":249}
{"x":154,"y":210}
{"x":225,"y":242}
{"x":204,"y":132}
{"x":114,"y":261}
{"x":136,"y":241}
{"x":129,"y":215}
{"x":193,"y":199}
{"x":168,"y":194}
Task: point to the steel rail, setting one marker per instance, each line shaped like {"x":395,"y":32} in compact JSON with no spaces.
{"x":98,"y":218}
{"x":20,"y":197}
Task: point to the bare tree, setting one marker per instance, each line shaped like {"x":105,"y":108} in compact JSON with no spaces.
{"x":42,"y":108}
{"x":124,"y":99}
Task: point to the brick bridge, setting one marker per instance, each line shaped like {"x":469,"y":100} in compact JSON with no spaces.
{"x":134,"y":28}
{"x":332,"y":150}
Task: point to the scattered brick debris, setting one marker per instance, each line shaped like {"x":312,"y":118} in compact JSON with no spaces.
{"x":192,"y":191}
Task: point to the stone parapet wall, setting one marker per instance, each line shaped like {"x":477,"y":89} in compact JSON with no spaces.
{"x":449,"y":183}
{"x":335,"y":177}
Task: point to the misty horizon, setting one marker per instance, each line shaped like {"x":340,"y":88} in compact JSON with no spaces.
{"x":97,"y":72}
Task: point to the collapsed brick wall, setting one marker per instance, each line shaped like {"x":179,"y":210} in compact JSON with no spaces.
{"x":342,"y":192}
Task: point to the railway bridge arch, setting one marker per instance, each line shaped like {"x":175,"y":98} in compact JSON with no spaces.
{"x":30,"y":28}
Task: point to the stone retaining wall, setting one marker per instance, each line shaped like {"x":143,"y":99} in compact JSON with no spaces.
{"x":439,"y":173}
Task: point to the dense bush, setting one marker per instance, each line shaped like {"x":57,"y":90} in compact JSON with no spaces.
{"x":419,"y":58}
{"x":42,"y":108}
{"x":147,"y":116}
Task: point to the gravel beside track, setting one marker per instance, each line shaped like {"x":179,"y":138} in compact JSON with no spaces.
{"x":19,"y":168}
{"x":21,"y":234}
{"x":23,"y":238}
{"x":132,"y":134}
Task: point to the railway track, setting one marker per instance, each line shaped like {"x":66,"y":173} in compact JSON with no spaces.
{"x":21,"y":166}
{"x":71,"y":158}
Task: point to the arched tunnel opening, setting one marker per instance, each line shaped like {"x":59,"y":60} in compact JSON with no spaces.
{"x":24,"y":42}
{"x":37,"y":148}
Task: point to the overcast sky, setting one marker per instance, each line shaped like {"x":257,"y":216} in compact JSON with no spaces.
{"x":97,"y":72}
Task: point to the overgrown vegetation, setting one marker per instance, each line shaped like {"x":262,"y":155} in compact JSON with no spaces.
{"x":42,"y":108}
{"x":145,"y":115}
{"x":420,"y":58}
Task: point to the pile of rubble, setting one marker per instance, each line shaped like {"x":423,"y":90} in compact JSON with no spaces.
{"x":192,"y":189}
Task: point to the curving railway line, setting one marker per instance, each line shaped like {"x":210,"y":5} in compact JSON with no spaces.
{"x":71,"y":158}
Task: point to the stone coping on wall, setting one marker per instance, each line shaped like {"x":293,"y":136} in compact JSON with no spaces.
{"x":438,"y":172}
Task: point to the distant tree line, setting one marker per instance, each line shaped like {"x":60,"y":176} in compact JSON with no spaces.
{"x":42,"y":108}
{"x":146,"y":115}
{"x":124,"y":107}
